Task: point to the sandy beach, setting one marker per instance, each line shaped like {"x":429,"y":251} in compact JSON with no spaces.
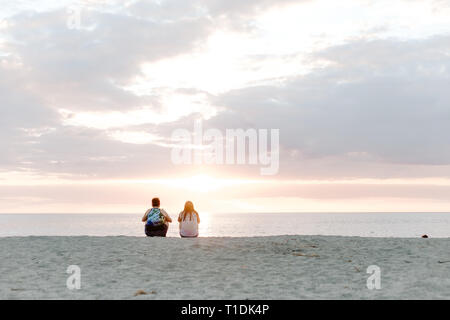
{"x":278,"y":267}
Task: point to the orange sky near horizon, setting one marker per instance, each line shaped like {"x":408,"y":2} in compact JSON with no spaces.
{"x":226,"y":195}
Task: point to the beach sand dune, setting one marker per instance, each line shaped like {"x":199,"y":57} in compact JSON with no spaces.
{"x":278,"y":267}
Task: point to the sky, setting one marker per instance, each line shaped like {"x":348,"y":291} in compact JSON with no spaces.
{"x":91,"y":92}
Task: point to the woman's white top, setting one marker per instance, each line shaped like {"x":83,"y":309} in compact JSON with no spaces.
{"x":189,"y":226}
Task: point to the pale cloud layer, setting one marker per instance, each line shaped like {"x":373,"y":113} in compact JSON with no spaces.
{"x":359,"y":90}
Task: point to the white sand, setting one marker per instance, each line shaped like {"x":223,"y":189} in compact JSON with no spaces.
{"x":282,"y":267}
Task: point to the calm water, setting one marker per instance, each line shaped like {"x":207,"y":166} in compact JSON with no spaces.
{"x":236,"y":225}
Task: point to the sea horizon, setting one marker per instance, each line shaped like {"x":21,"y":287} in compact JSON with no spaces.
{"x":362,"y":224}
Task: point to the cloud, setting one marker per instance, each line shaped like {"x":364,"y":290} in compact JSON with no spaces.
{"x":385,"y":101}
{"x":85,"y":68}
{"x":353,"y":98}
{"x":231,"y":13}
{"x":24,"y":117}
{"x":50,"y":67}
{"x":364,"y":108}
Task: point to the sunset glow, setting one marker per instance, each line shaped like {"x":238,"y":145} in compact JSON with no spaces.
{"x":357,"y":92}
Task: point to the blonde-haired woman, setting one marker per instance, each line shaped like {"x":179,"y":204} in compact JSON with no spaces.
{"x":189,"y":220}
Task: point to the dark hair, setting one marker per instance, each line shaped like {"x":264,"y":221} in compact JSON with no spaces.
{"x":189,"y":209}
{"x":155,"y":202}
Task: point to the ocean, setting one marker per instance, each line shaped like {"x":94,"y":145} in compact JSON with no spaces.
{"x":404,"y":225}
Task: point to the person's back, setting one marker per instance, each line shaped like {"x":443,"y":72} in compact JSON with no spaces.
{"x":189,"y":220}
{"x":156,"y":220}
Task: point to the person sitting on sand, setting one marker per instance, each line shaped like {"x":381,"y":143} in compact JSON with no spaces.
{"x":157,"y":220}
{"x":189,"y":220}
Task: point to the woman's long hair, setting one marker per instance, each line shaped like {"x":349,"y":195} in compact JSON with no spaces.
{"x":188,"y":210}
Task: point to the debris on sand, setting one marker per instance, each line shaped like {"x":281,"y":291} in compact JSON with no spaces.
{"x":142,"y":292}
